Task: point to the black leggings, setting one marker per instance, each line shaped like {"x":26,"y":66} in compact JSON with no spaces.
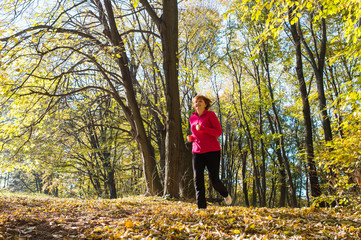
{"x":212,"y":161}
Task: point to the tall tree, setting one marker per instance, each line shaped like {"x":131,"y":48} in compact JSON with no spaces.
{"x":280,"y":142}
{"x":317,"y":61}
{"x":176,"y":153}
{"x":315,"y":186}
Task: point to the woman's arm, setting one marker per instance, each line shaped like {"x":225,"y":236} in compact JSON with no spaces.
{"x":215,"y":129}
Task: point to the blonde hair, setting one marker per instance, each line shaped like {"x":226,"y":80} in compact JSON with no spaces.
{"x":206,"y":100}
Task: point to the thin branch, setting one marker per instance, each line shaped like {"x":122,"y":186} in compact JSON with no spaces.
{"x":54,"y":29}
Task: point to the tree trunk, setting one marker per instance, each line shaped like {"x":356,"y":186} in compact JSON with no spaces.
{"x":254,"y":190}
{"x":95,"y":182}
{"x":111,"y":184}
{"x":256,"y":181}
{"x":282,"y":176}
{"x":187,"y":190}
{"x":272,"y":193}
{"x":318,"y":68}
{"x":244,"y":170}
{"x":281,"y":153}
{"x":315,"y":187}
{"x":175,"y":146}
{"x":263,"y":186}
{"x":174,"y":140}
{"x":132,"y":112}
{"x":334,"y":84}
{"x":109,"y":174}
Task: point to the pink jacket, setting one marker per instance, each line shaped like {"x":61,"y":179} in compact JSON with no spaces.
{"x":205,"y":140}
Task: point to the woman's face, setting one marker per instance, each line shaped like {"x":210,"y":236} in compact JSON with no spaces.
{"x":199,"y":104}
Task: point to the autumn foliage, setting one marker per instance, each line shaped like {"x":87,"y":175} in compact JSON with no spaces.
{"x":24,"y":217}
{"x":95,"y":98}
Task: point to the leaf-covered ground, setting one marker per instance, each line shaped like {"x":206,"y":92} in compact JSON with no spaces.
{"x":24,"y":217}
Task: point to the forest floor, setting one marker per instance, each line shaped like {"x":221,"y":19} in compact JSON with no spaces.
{"x":139,"y":217}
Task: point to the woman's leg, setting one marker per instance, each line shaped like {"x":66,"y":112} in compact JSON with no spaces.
{"x":198,"y":174}
{"x":213,"y":161}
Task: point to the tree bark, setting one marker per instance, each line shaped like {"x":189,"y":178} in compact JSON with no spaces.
{"x":260,"y":127}
{"x":244,"y":171}
{"x":282,"y":176}
{"x":174,"y":139}
{"x":318,"y":68}
{"x":315,"y":187}
{"x":256,"y":181}
{"x":281,"y":153}
{"x":176,"y":152}
{"x":334,"y":84}
{"x":317,"y":60}
{"x":133,"y":115}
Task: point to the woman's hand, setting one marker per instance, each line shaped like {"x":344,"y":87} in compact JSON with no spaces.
{"x":198,"y":127}
{"x":190,"y":138}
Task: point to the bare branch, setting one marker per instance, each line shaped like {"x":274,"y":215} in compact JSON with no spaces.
{"x":151,"y":13}
{"x":46,"y":93}
{"x":54,"y":29}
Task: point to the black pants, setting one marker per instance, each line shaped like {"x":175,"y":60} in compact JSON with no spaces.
{"x":212,"y":161}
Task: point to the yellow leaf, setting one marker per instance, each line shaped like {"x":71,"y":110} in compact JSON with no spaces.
{"x":237,"y":231}
{"x":311,"y":209}
{"x":231,"y":220}
{"x":129,"y":224}
{"x":135,"y":3}
{"x":287,"y":232}
{"x":252,"y":226}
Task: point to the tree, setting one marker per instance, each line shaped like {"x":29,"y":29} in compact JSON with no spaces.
{"x":315,"y":187}
{"x":176,"y":152}
{"x":132,"y":111}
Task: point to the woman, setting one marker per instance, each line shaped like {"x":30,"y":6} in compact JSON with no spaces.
{"x":206,"y":149}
